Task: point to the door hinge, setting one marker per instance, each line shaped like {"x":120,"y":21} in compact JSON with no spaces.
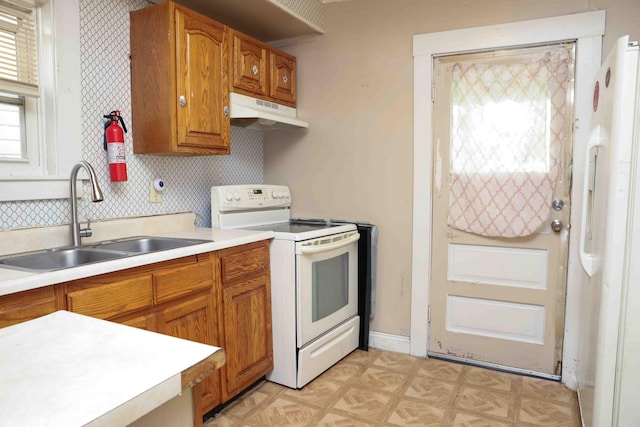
{"x":433,"y":92}
{"x":428,"y":314}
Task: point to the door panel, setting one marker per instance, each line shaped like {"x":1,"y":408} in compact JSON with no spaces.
{"x":518,"y":267}
{"x":502,"y":155}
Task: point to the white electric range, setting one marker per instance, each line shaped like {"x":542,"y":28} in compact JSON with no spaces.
{"x":314,"y":279}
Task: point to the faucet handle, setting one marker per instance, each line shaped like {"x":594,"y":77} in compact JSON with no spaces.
{"x":86,"y":232}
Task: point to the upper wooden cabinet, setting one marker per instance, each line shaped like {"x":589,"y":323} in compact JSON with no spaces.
{"x":261,"y":71}
{"x":283,"y":78}
{"x":179,"y":82}
{"x":249,"y":64}
{"x":183,"y":65}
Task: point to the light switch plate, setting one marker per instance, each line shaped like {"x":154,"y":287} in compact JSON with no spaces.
{"x":155,"y":196}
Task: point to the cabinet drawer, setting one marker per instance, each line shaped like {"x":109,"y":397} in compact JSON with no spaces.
{"x":183,"y":281}
{"x":113,"y":299}
{"x":26,"y":305}
{"x":249,"y":260}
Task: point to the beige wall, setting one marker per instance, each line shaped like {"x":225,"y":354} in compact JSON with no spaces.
{"x":355,"y":87}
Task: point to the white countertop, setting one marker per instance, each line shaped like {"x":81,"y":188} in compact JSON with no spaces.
{"x":12,"y":281}
{"x":66,"y":369}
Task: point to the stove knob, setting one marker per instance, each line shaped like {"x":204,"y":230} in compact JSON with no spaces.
{"x":274,"y":195}
{"x":286,"y":195}
{"x":280,"y":195}
{"x":236,"y":196}
{"x":228,"y":196}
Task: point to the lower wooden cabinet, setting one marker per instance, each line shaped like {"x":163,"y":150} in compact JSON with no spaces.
{"x":247,"y":326}
{"x":246,"y":316}
{"x":195,"y":320}
{"x":176,"y":297}
{"x":27,"y":305}
{"x":221,"y":298}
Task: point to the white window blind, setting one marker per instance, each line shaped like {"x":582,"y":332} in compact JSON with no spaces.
{"x":18,"y":48}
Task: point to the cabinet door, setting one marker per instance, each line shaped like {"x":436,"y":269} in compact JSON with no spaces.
{"x":247,"y":332}
{"x":283,"y":78}
{"x":202,"y":86}
{"x":249,"y":65}
{"x":195,"y":320}
{"x":146,"y":321}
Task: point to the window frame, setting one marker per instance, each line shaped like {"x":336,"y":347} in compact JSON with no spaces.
{"x":60,"y":91}
{"x":32,"y":164}
{"x":19,"y":102}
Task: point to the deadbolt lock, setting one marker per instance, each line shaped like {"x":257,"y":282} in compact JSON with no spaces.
{"x":557,"y":204}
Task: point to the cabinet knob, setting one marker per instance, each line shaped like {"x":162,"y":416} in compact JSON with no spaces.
{"x":285,"y":79}
{"x":255,"y":70}
{"x":225,"y":110}
{"x":183,"y":100}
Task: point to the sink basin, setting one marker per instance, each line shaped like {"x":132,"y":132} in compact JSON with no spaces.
{"x":56,"y":259}
{"x":67,"y":257}
{"x":148,"y":244}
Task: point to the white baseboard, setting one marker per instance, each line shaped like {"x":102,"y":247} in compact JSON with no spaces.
{"x":395,"y":343}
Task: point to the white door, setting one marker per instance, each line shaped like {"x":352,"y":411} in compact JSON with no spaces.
{"x":502,"y":152}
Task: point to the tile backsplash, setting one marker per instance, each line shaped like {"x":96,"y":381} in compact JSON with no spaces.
{"x":104,"y":55}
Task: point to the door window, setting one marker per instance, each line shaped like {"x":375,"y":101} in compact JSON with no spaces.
{"x":507,"y":128}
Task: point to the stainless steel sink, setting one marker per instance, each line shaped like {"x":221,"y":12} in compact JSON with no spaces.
{"x":56,"y":259}
{"x":67,"y":257}
{"x":148,"y":244}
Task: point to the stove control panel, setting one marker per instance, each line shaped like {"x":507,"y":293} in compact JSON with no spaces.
{"x":229,"y":198}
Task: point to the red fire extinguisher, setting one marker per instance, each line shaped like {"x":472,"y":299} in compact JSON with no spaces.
{"x":114,"y":144}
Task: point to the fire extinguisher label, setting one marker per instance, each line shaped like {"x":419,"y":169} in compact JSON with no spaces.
{"x":115,"y":152}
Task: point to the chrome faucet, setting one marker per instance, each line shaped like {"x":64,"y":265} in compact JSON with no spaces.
{"x":96,"y":196}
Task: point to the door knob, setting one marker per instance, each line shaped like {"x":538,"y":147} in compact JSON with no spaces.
{"x":557,"y":204}
{"x":556,"y":225}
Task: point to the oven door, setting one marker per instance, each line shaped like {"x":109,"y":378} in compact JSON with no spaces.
{"x":326,"y":283}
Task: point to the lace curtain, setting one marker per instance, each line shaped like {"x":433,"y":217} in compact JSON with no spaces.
{"x":506,"y":136}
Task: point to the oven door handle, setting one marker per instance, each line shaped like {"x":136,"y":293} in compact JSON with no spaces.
{"x":314,"y":249}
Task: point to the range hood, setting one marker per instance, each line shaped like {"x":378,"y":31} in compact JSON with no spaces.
{"x":253,"y":113}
